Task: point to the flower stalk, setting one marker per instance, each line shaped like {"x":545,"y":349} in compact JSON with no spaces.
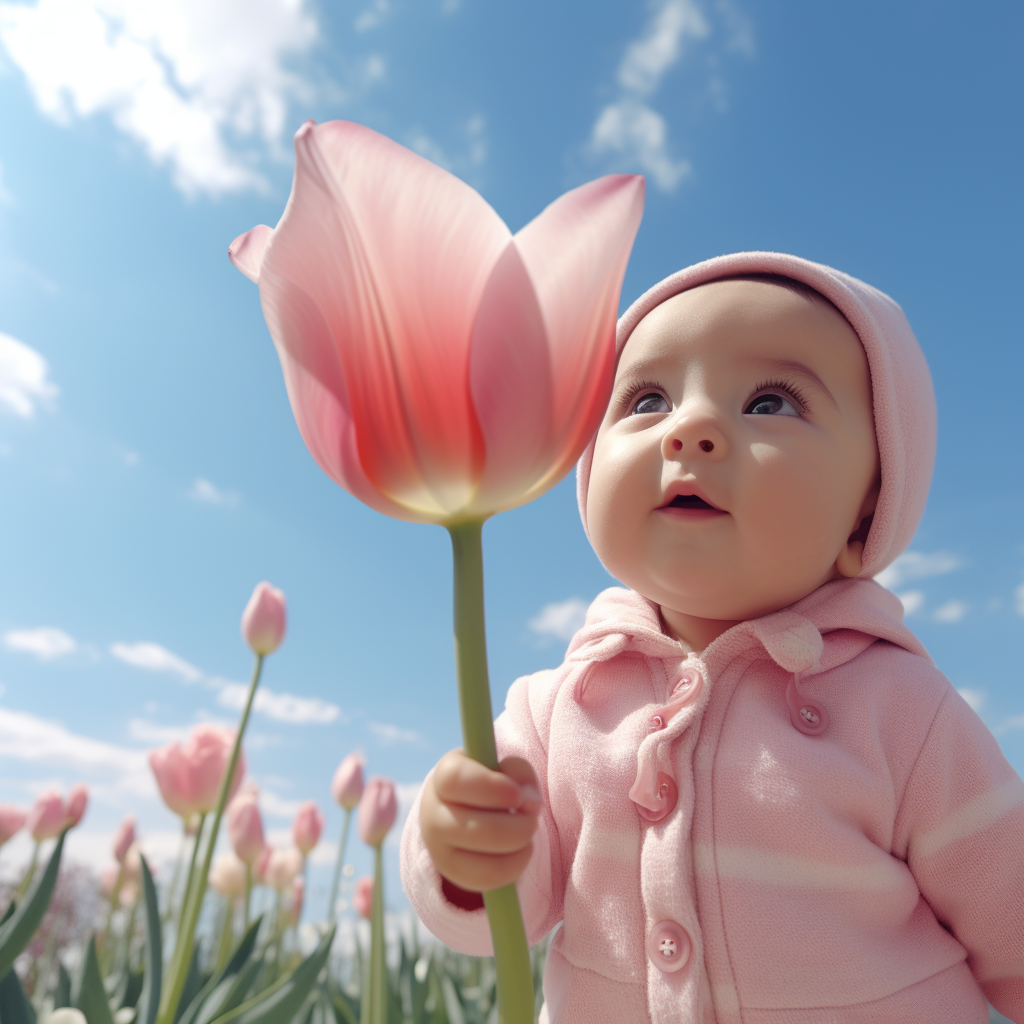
{"x":332,"y":906}
{"x":511,"y":953}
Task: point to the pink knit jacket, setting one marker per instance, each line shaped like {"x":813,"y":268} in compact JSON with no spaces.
{"x":804,"y":824}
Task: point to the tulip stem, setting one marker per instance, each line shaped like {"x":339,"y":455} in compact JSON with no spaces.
{"x":511,"y":953}
{"x":31,"y":871}
{"x":186,"y":937}
{"x":248,"y":895}
{"x":377,"y":991}
{"x":190,"y":878}
{"x":332,"y":906}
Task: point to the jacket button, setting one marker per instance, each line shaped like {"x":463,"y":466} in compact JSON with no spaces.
{"x":666,"y":795}
{"x":690,"y":680}
{"x":668,"y":946}
{"x":808,"y":717}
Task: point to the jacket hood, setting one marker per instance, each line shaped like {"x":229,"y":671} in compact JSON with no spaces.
{"x":902,"y":394}
{"x":848,"y":614}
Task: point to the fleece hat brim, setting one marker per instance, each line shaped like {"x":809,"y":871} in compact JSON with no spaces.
{"x":903,"y":397}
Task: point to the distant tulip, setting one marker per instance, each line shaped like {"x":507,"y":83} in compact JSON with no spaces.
{"x":78,"y":798}
{"x":262,"y":866}
{"x":264,"y":619}
{"x":295,"y":904}
{"x":362,"y":898}
{"x":189,"y":775}
{"x":347,"y":784}
{"x":228,"y":876}
{"x":283,"y":867}
{"x":377,"y":811}
{"x":108,"y":879}
{"x":245,"y":827}
{"x":307,"y":827}
{"x":11,"y":821}
{"x":124,"y":837}
{"x":48,"y":817}
{"x":439,"y":368}
{"x":133,"y":864}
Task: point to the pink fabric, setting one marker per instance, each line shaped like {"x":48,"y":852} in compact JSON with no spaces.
{"x":904,"y":401}
{"x":874,"y":873}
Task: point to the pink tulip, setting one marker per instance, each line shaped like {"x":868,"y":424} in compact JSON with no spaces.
{"x":264,"y":619}
{"x":439,"y":368}
{"x":295,"y":904}
{"x":245,"y":827}
{"x":189,"y":775}
{"x":78,"y":798}
{"x":377,"y":810}
{"x":50,"y":815}
{"x":108,"y":879}
{"x":124,"y":837}
{"x":227,"y":876}
{"x":11,"y":821}
{"x":283,"y":867}
{"x":347,"y":784}
{"x":362,"y":898}
{"x":308,"y":825}
{"x":262,"y":866}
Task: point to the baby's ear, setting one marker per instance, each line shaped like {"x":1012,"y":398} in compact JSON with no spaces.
{"x":851,"y":558}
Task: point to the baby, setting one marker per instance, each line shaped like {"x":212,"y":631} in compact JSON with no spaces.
{"x":747,"y":794}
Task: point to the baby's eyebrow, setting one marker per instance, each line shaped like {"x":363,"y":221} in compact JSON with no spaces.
{"x":797,"y":369}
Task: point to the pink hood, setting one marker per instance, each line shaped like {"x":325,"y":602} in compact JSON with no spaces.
{"x":904,"y":401}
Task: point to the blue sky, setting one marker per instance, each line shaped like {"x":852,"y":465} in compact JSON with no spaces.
{"x":150,"y":469}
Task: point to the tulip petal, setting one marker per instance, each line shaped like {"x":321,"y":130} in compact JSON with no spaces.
{"x":576,"y":252}
{"x":246,"y":251}
{"x":394,"y":253}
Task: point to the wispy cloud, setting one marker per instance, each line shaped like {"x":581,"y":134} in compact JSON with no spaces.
{"x":203,"y":86}
{"x":392,"y":733}
{"x":372,"y":16}
{"x":209,"y":494}
{"x":46,"y":642}
{"x":470,"y":146}
{"x":144,"y":731}
{"x":155,"y":658}
{"x":912,"y":601}
{"x":24,"y":378}
{"x":560,"y":619}
{"x":274,"y":806}
{"x":281,"y":707}
{"x":951,"y":611}
{"x":918,"y":565}
{"x":976,"y":698}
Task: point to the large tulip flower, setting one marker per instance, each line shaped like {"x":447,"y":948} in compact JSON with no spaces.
{"x":442,"y":369}
{"x":439,"y":368}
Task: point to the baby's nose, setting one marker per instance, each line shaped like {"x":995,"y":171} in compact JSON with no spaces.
{"x":695,"y":435}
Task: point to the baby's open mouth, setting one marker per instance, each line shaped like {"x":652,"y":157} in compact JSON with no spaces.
{"x":690,"y":501}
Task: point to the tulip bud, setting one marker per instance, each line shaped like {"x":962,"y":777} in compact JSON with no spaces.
{"x":47,"y":817}
{"x":308,"y":825}
{"x":283,"y":867}
{"x":245,"y":827}
{"x":11,"y":821}
{"x":347,"y":784}
{"x":124,"y":837}
{"x":295,"y":906}
{"x":362,"y":898}
{"x":227,"y":876}
{"x":74,"y":810}
{"x":377,"y":810}
{"x":262,"y":865}
{"x":264,"y":619}
{"x":189,"y":775}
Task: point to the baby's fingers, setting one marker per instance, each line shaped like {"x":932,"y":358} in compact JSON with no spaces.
{"x":478,"y":831}
{"x":458,"y":779}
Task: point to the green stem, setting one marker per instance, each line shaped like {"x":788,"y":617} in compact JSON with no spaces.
{"x":248,"y":895}
{"x":377,"y":993}
{"x":172,"y":888}
{"x":186,"y":938}
{"x":227,"y":935}
{"x":332,"y":906}
{"x":30,"y":873}
{"x":190,"y":878}
{"x":106,"y":948}
{"x":511,"y":953}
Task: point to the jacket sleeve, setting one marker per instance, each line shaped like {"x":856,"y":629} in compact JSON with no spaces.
{"x":520,"y":731}
{"x":961,"y":823}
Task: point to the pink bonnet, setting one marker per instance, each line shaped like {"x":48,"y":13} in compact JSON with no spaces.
{"x":903,"y":397}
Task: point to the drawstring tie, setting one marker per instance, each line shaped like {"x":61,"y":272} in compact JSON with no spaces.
{"x":807,"y":715}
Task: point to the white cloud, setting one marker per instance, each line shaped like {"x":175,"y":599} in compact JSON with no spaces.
{"x":560,"y":619}
{"x":372,"y":16}
{"x":912,"y":600}
{"x":918,"y":565}
{"x":975,"y":698}
{"x":471,"y":142}
{"x":144,"y":731}
{"x":281,"y":707}
{"x":154,"y":658}
{"x":1019,"y":598}
{"x":450,"y":6}
{"x":274,"y":806}
{"x":46,"y":643}
{"x":186,"y":79}
{"x":648,"y":58}
{"x":632,"y":129}
{"x":951,"y":611}
{"x":392,"y":733}
{"x":203,"y":491}
{"x":24,"y":380}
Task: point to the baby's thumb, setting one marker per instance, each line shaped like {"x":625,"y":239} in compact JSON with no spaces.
{"x":521,"y":772}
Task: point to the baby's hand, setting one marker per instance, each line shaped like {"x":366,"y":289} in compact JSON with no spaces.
{"x":478,"y":824}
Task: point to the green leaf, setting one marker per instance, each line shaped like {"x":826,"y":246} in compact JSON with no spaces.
{"x":283,"y":1000}
{"x":149,"y":997}
{"x":14,"y":1006}
{"x":132,"y":991}
{"x":344,"y":1011}
{"x":88,"y":993}
{"x":226,"y":990}
{"x":193,"y":982}
{"x":62,"y":993}
{"x":21,"y":925}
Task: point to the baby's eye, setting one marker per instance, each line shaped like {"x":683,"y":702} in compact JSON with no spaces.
{"x":771,"y":405}
{"x":651,"y":402}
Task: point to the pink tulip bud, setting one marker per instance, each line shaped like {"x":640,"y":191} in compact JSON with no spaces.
{"x":47,"y":817}
{"x":124,"y":837}
{"x":262,"y":865}
{"x":133,"y":863}
{"x":227,"y":876}
{"x":377,"y":810}
{"x":11,"y":821}
{"x":308,"y":825}
{"x":283,"y":868}
{"x":245,"y":827}
{"x":347,"y":784}
{"x":74,"y":809}
{"x":362,"y":898}
{"x":189,"y":775}
{"x":295,"y":904}
{"x":264,"y":619}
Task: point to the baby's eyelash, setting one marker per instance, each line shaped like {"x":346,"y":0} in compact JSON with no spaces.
{"x":787,"y":387}
{"x":636,"y":389}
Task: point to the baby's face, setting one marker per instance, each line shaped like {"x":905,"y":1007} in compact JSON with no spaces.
{"x":737,"y":455}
